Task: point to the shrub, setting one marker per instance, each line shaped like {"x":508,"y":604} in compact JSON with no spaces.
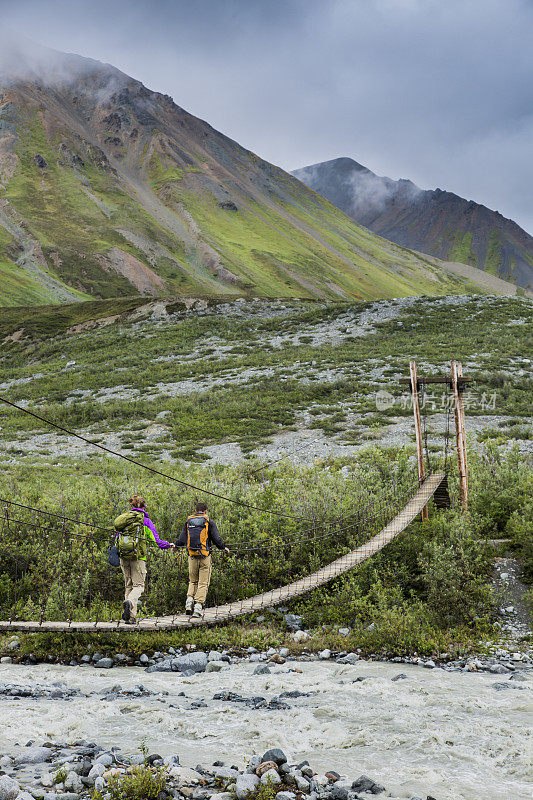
{"x":139,"y":783}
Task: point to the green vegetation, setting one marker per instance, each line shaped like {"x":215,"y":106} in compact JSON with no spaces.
{"x":213,"y":378}
{"x":138,"y":783}
{"x":493,"y":259}
{"x":461,"y":249}
{"x":283,"y":241}
{"x":427,"y":592}
{"x":169,"y":387}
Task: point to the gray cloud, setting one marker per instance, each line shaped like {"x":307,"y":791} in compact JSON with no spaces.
{"x":436,"y":92}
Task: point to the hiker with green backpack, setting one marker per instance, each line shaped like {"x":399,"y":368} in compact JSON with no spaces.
{"x":135,"y":533}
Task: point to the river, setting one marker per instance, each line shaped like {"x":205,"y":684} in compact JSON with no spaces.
{"x":450,"y":735}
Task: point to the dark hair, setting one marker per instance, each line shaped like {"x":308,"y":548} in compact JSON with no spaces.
{"x":137,"y":501}
{"x":201,"y":507}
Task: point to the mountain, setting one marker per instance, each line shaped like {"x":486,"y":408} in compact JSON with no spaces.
{"x":439,"y":223}
{"x":109,"y":189}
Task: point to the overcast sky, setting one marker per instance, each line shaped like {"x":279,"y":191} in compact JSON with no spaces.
{"x":438,"y":91}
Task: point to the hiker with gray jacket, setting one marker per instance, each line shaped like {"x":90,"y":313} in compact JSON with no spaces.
{"x":135,"y":534}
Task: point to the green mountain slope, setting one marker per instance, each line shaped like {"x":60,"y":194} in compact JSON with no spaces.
{"x":108,"y":189}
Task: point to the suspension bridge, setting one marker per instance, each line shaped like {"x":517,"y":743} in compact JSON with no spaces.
{"x":68,"y":572}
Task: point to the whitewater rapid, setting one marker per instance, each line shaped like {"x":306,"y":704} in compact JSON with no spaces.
{"x":447,"y":734}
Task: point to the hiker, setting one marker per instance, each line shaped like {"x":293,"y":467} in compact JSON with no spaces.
{"x":135,"y":532}
{"x":198,"y":535}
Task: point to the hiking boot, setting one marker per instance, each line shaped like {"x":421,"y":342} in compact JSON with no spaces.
{"x":127,"y":608}
{"x":198,"y":610}
{"x":189,"y":606}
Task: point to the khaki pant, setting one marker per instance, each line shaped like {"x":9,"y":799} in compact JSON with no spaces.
{"x":199,"y":577}
{"x":134,"y":579}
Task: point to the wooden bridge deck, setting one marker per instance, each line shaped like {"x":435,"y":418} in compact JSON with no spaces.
{"x":261,"y":601}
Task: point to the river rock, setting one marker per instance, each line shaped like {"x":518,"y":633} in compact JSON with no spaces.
{"x":245,"y":784}
{"x":300,"y":636}
{"x":270,"y":776}
{"x":277,"y":659}
{"x":324,"y":654}
{"x":276,"y":755}
{"x":143,"y":658}
{"x":214,"y":655}
{"x":197,"y":662}
{"x":302,"y":783}
{"x":344,"y":631}
{"x":223,"y":796}
{"x":6,"y":660}
{"x":365,"y":784}
{"x":338,"y":793}
{"x":261,"y":669}
{"x":25,"y":796}
{"x":161,"y":666}
{"x":95,"y":771}
{"x":253,"y":764}
{"x":285,"y":795}
{"x":9,"y":788}
{"x":186,"y":775}
{"x":33,"y":755}
{"x":99,"y":784}
{"x":73,"y":782}
{"x":215,"y":666}
{"x":105,"y":758}
{"x":265,"y":766}
{"x":351,"y":658}
{"x":228,"y":773}
{"x":499,"y":669}
{"x":104,"y":663}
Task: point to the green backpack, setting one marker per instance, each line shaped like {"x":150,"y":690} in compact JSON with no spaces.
{"x":131,"y":539}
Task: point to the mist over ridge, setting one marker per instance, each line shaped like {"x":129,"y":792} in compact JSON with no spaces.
{"x":436,"y":222}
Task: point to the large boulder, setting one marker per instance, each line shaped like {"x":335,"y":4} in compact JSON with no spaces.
{"x":73,"y":782}
{"x":104,"y":663}
{"x":33,"y":755}
{"x":195,"y":662}
{"x":261,"y":669}
{"x":271,"y":776}
{"x":215,"y":666}
{"x":245,"y":784}
{"x":276,"y":755}
{"x":366,"y":784}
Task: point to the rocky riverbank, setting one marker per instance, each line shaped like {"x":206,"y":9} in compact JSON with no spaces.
{"x":498,"y":659}
{"x":61,"y":771}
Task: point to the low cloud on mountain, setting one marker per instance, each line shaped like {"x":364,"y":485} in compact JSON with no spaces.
{"x":436,"y":91}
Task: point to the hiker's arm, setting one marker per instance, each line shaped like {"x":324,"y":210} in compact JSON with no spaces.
{"x":215,"y":535}
{"x":153,"y":536}
{"x":182,"y":540}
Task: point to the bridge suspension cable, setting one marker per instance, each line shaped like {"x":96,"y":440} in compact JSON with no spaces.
{"x":153,"y":470}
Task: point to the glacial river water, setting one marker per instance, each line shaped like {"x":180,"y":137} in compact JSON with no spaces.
{"x":449,"y":735}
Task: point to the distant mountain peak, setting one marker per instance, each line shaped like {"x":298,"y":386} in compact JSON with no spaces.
{"x":437,"y":222}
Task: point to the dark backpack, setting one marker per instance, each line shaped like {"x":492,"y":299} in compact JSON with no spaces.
{"x":198,"y":535}
{"x":131,"y":539}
